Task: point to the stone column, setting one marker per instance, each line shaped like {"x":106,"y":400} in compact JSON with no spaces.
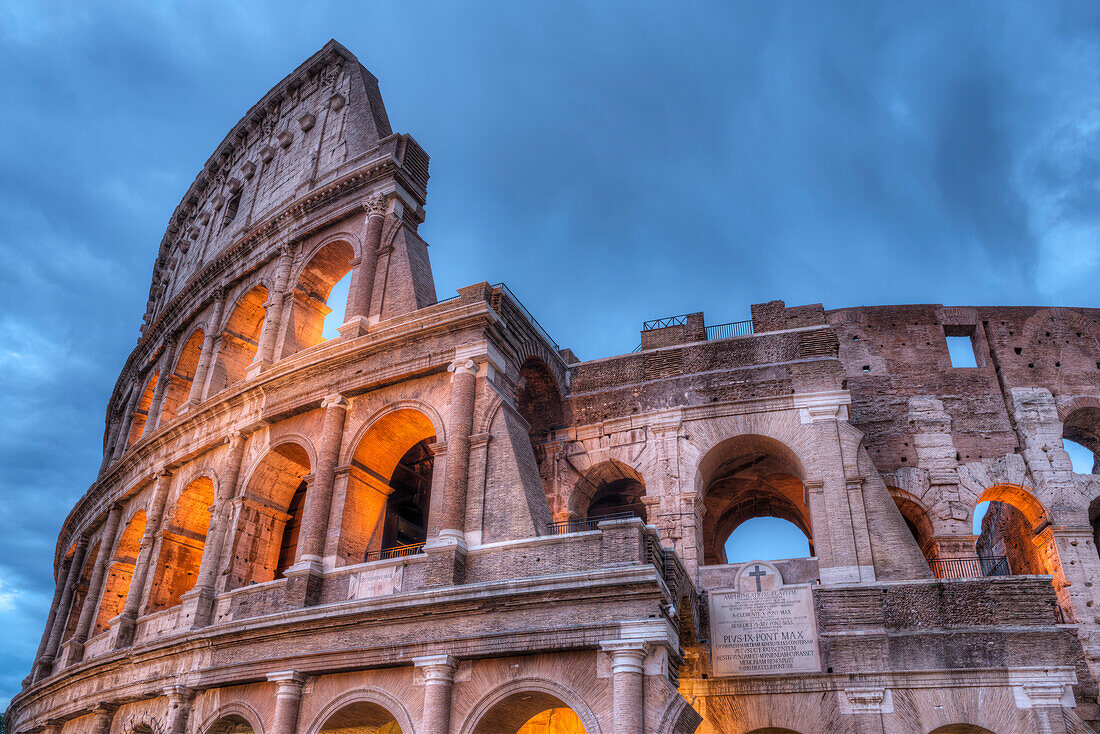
{"x":102,"y":715}
{"x":45,"y":662}
{"x":273,"y":314}
{"x":359,"y":296}
{"x":288,"y":698}
{"x":74,"y":651}
{"x":447,"y":549}
{"x":180,"y":699}
{"x":439,"y":671}
{"x":198,"y":603}
{"x":59,"y":589}
{"x":122,"y":439}
{"x":628,"y":684}
{"x":53,"y":726}
{"x":304,"y":577}
{"x":157,"y":403}
{"x":127,"y":620}
{"x":206,"y":356}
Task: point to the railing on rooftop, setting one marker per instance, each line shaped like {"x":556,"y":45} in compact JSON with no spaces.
{"x":734,"y":328}
{"x":590,"y":523}
{"x":397,"y":551}
{"x":974,"y":567}
{"x":531,"y":318}
{"x":664,"y":323}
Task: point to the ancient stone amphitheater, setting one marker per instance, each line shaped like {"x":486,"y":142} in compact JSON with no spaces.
{"x":441,"y":522}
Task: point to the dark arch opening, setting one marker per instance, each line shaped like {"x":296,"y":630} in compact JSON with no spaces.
{"x":361,"y":717}
{"x":530,"y":712}
{"x":406,"y":520}
{"x":231,"y":724}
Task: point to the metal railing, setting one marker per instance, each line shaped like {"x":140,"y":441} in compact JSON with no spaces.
{"x":734,"y":328}
{"x":664,"y":323}
{"x":397,"y":551}
{"x":530,"y":317}
{"x":974,"y":567}
{"x":590,"y":523}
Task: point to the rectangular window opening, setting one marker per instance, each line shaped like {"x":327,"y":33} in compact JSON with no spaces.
{"x":961,"y":349}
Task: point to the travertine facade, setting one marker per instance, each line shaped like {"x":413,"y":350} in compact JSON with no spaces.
{"x":440,"y":522}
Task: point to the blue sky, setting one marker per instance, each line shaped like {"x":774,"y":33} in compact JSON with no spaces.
{"x":612,"y":162}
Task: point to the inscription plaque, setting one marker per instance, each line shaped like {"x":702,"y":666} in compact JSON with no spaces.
{"x":762,"y":627}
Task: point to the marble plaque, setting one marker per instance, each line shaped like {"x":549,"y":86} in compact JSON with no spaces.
{"x":375,"y":582}
{"x":763,"y":632}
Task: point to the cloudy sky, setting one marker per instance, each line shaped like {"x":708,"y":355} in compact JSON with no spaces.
{"x":611,"y":162}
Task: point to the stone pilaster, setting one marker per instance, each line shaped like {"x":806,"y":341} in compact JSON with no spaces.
{"x":102,"y":716}
{"x":165,"y":379}
{"x":180,"y":700}
{"x":439,"y":671}
{"x":124,"y":625}
{"x":628,"y":683}
{"x":44,"y":666}
{"x":55,"y":605}
{"x":362,"y":286}
{"x":122,"y":438}
{"x":288,"y":699}
{"x":206,"y":355}
{"x":198,"y":603}
{"x":304,"y":577}
{"x":275,"y":312}
{"x":74,"y":648}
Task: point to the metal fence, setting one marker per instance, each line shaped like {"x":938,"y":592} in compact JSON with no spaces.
{"x":734,"y":328}
{"x":397,"y":551}
{"x":589,"y":523}
{"x":665,"y":322}
{"x":534,"y":322}
{"x":974,"y":567}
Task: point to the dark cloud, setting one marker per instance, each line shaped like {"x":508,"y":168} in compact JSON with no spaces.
{"x":612,"y":162}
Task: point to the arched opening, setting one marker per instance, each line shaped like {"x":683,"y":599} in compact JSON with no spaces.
{"x":181,"y":545}
{"x":389,"y":488}
{"x":80,"y":592}
{"x":749,"y":477}
{"x":141,"y":411}
{"x":289,"y":547}
{"x":179,"y":386}
{"x":1081,"y":439}
{"x":960,"y":729}
{"x":1008,"y":530}
{"x":609,"y":489}
{"x":539,"y":401}
{"x":231,"y":724}
{"x":231,"y":208}
{"x":530,"y":712}
{"x":916,"y":519}
{"x":311,"y":312}
{"x":265,"y":517}
{"x":121,"y":570}
{"x":239,"y":340}
{"x":361,"y":717}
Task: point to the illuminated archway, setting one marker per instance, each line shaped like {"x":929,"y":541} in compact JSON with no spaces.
{"x":389,"y":487}
{"x":239,"y":340}
{"x":1010,"y":526}
{"x":179,"y":386}
{"x":745,"y":477}
{"x":309,"y":306}
{"x":361,"y":717}
{"x":265,"y":506}
{"x":530,"y":712}
{"x":181,"y":545}
{"x":120,"y":571}
{"x":141,"y":411}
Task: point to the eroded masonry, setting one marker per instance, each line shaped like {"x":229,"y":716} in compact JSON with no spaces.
{"x":440,"y":521}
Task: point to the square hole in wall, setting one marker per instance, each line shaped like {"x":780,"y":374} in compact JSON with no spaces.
{"x":961,"y":349}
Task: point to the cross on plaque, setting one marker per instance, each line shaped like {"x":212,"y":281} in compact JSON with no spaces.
{"x":757,"y":574}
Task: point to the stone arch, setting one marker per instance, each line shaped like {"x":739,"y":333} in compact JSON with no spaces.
{"x":748,"y":476}
{"x":610,"y":487}
{"x":182,"y":376}
{"x":960,"y":729}
{"x":1010,"y":525}
{"x":427,"y":409}
{"x":539,"y":398}
{"x":239,"y":338}
{"x":182,"y":542}
{"x":772,"y":730}
{"x":533,"y":349}
{"x":120,"y":570}
{"x":487,"y":718}
{"x":679,"y":718}
{"x":236,"y":712}
{"x":312,"y":283}
{"x":372,"y":700}
{"x":390,"y":475}
{"x":916,"y":519}
{"x":141,"y":410}
{"x":264,"y":512}
{"x":1081,"y":424}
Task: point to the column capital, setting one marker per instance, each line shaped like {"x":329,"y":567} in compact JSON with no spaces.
{"x":287,"y":680}
{"x":164,"y":473}
{"x":375,"y":206}
{"x":627,"y":656}
{"x":236,"y":436}
{"x":466,"y":367}
{"x":178,"y":694}
{"x":437,"y":668}
{"x":336,"y":400}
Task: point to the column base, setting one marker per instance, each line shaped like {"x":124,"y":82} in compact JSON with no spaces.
{"x":122,"y":631}
{"x":353,"y":327}
{"x":304,"y":583}
{"x":72,"y":652}
{"x":446,"y":562}
{"x":197,"y":608}
{"x":42,"y":669}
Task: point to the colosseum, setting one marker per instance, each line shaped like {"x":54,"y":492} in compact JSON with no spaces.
{"x":439,"y":521}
